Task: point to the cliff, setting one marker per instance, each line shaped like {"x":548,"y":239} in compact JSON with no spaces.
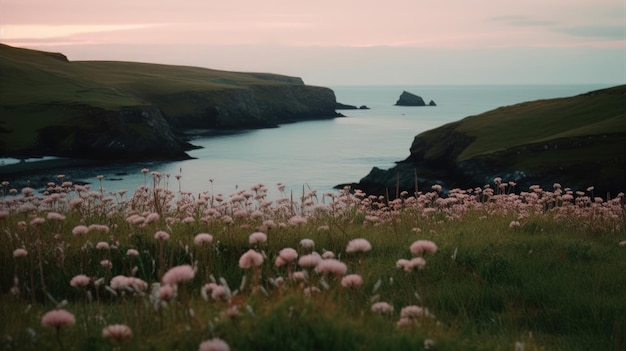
{"x":136,"y":111}
{"x":576,"y":141}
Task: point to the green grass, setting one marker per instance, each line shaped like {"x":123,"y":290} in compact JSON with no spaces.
{"x":555,"y":282}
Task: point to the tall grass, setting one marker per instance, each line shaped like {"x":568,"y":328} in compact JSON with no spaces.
{"x":537,"y":269}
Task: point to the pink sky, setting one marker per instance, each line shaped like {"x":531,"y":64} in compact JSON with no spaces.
{"x":340,"y":42}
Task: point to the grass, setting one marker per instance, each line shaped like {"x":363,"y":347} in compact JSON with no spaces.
{"x":540,"y":268}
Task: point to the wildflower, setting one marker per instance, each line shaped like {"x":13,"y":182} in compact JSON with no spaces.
{"x":117,"y":332}
{"x":328,"y":254}
{"x":215,"y":344}
{"x":152,"y":217}
{"x":352,"y":281}
{"x":161,"y":235}
{"x":102,"y":245}
{"x":257,"y":238}
{"x":418,"y":262}
{"x":288,"y":254}
{"x":413,"y":312}
{"x":299,"y":276}
{"x":57,"y":319}
{"x":420,"y":247}
{"x":429,"y":344}
{"x":166,"y":292}
{"x":106,"y":264}
{"x":382,"y":308}
{"x":307,"y":244}
{"x":297,"y":220}
{"x":250,"y":259}
{"x":80,"y":280}
{"x":56,"y":216}
{"x":37,"y":221}
{"x":178,"y":274}
{"x":621,"y":243}
{"x":80,"y":230}
{"x":358,"y":245}
{"x":132,"y":252}
{"x":310,"y":260}
{"x":404,"y":264}
{"x":203,"y":238}
{"x":27,"y":191}
{"x":331,"y":266}
{"x":20,"y":253}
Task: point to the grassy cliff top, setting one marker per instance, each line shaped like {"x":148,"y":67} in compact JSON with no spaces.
{"x":37,"y":77}
{"x":595,"y":113}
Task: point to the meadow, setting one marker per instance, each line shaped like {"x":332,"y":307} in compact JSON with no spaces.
{"x":489,"y":268}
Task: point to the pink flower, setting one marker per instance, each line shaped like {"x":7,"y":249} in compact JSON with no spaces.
{"x":20,"y":253}
{"x":102,"y":245}
{"x":215,"y":344}
{"x":418,"y":262}
{"x":178,"y":274}
{"x":310,"y":260}
{"x":331,"y":266}
{"x":420,"y":247}
{"x":166,"y":292}
{"x":117,"y":332}
{"x":37,"y":221}
{"x":382,"y":308}
{"x":404,"y":264}
{"x":352,"y":281}
{"x":27,"y":191}
{"x":203,"y":238}
{"x":257,"y":238}
{"x":106,"y":264}
{"x":58,"y":318}
{"x":161,"y":235}
{"x":297,"y":220}
{"x":307,"y":244}
{"x":288,"y":254}
{"x":413,"y":312}
{"x":132,"y":252}
{"x":152,"y":217}
{"x":80,"y":230}
{"x":358,"y":245}
{"x":80,"y":280}
{"x":56,"y":216}
{"x":328,"y":254}
{"x":250,"y":259}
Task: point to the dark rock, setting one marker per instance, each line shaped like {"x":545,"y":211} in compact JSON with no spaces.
{"x":341,"y":106}
{"x":408,"y":99}
{"x":432,"y":103}
{"x":363,"y":107}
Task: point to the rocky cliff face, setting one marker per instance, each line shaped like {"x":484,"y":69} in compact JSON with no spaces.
{"x":138,"y":133}
{"x":251,"y":107}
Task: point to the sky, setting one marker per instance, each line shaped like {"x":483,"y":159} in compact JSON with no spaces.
{"x":341,"y":42}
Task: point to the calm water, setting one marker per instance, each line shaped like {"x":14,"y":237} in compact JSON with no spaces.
{"x":321,"y":154}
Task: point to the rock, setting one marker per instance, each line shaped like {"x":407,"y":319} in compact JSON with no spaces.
{"x":432,"y":103}
{"x":363,"y":107}
{"x":340,"y":106}
{"x":408,"y":99}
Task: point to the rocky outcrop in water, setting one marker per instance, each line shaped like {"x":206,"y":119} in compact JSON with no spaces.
{"x":409,"y":99}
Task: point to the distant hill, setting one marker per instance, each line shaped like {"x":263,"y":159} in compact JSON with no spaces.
{"x":578,"y":141}
{"x":135,"y":111}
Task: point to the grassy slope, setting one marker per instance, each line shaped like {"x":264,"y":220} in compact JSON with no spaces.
{"x":545,"y":120}
{"x":48,"y":89}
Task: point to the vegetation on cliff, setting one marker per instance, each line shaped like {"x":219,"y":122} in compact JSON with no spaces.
{"x":129,"y":110}
{"x":575,"y":140}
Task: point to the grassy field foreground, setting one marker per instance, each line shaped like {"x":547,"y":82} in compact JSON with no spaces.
{"x":159,"y":269}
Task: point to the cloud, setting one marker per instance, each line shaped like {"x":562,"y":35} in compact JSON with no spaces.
{"x":522,"y":21}
{"x":603,"y":32}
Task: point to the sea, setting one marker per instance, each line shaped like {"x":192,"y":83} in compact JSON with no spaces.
{"x":318,"y":155}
